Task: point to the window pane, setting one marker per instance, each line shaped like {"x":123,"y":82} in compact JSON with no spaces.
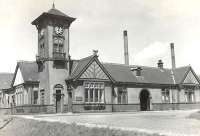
{"x":101,"y":95}
{"x":86,"y":95}
{"x":35,"y":97}
{"x":55,"y":47}
{"x":42,"y":97}
{"x":91,"y":95}
{"x":60,"y":48}
{"x":93,"y":92}
{"x":96,"y":95}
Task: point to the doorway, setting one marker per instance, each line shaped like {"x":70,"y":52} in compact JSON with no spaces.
{"x":144,"y":100}
{"x":58,"y":101}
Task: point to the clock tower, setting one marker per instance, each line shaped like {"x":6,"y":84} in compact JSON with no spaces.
{"x":53,"y":55}
{"x":53,"y":34}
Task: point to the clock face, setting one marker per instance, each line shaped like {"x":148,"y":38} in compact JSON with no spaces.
{"x":59,"y":30}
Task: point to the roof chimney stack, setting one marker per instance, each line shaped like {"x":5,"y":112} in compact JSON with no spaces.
{"x":160,"y":64}
{"x":173,"y":56}
{"x":126,"y":56}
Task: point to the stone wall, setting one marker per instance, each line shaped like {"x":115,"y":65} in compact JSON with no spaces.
{"x":175,"y":106}
{"x":125,"y":107}
{"x":80,"y":108}
{"x":33,"y":109}
{"x":5,"y":111}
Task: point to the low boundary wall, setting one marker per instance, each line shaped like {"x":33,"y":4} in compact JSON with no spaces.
{"x":81,"y":108}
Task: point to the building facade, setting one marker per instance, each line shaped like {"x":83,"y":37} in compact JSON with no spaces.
{"x":56,"y":83}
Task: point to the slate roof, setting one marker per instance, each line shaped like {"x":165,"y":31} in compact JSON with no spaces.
{"x":79,"y":65}
{"x":5,"y":80}
{"x":180,"y":73}
{"x":57,"y":12}
{"x":53,"y":13}
{"x":119,"y":72}
{"x":122,"y":73}
{"x":29,"y":70}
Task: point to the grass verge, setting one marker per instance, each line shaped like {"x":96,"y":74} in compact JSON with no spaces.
{"x":195,"y":115}
{"x":28,"y":127}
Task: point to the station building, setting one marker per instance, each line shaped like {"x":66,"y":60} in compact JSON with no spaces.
{"x":57,"y":83}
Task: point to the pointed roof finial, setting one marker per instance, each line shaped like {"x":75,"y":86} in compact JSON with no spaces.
{"x":53,"y":6}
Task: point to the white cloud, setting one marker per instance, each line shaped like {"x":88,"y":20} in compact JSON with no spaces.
{"x":152,"y":52}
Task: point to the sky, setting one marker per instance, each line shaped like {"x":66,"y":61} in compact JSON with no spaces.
{"x":151,"y":24}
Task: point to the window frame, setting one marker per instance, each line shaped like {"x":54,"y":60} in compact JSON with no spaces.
{"x":42,"y":96}
{"x":122,"y":95}
{"x":189,"y":95}
{"x":35,"y":101}
{"x":165,"y":94}
{"x":91,"y":88}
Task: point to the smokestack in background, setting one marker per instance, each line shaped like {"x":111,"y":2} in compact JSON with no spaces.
{"x":126,"y":56}
{"x":173,"y":56}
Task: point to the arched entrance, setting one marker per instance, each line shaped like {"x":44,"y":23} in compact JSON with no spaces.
{"x":58,"y":92}
{"x":144,"y":100}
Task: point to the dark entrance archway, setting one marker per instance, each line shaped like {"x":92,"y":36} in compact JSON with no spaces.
{"x":144,"y":100}
{"x":58,"y":101}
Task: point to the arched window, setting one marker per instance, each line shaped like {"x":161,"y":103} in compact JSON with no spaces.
{"x":58,"y":86}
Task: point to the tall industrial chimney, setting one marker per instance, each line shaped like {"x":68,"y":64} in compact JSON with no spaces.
{"x":173,"y":56}
{"x":126,"y":56}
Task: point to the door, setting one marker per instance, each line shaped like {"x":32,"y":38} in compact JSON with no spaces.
{"x":144,"y":100}
{"x":58,"y":101}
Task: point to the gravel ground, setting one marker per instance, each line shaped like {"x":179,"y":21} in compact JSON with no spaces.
{"x":175,"y":123}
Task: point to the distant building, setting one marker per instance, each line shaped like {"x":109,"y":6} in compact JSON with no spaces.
{"x":57,"y":83}
{"x":5,"y":82}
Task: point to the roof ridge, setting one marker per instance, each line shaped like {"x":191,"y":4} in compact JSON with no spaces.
{"x":115,"y":63}
{"x":119,"y":64}
{"x":183,"y":66}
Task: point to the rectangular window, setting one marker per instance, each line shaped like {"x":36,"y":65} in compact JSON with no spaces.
{"x":165,"y":96}
{"x":91,"y":95}
{"x":122,"y":95}
{"x":42,"y":50}
{"x":86,"y":95}
{"x":42,"y":97}
{"x":94,"y":92}
{"x":55,"y":47}
{"x":189,"y":96}
{"x":96,"y":95}
{"x":35,"y":97}
{"x":13,"y":100}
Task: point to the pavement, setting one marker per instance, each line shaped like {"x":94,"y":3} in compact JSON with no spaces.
{"x":171,"y":123}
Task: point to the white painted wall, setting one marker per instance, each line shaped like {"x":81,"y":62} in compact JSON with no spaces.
{"x":18,"y":79}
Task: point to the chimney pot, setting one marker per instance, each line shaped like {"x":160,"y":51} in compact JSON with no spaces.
{"x":136,"y":71}
{"x":125,"y":32}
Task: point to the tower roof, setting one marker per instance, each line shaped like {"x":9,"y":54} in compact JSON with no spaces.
{"x":53,"y":13}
